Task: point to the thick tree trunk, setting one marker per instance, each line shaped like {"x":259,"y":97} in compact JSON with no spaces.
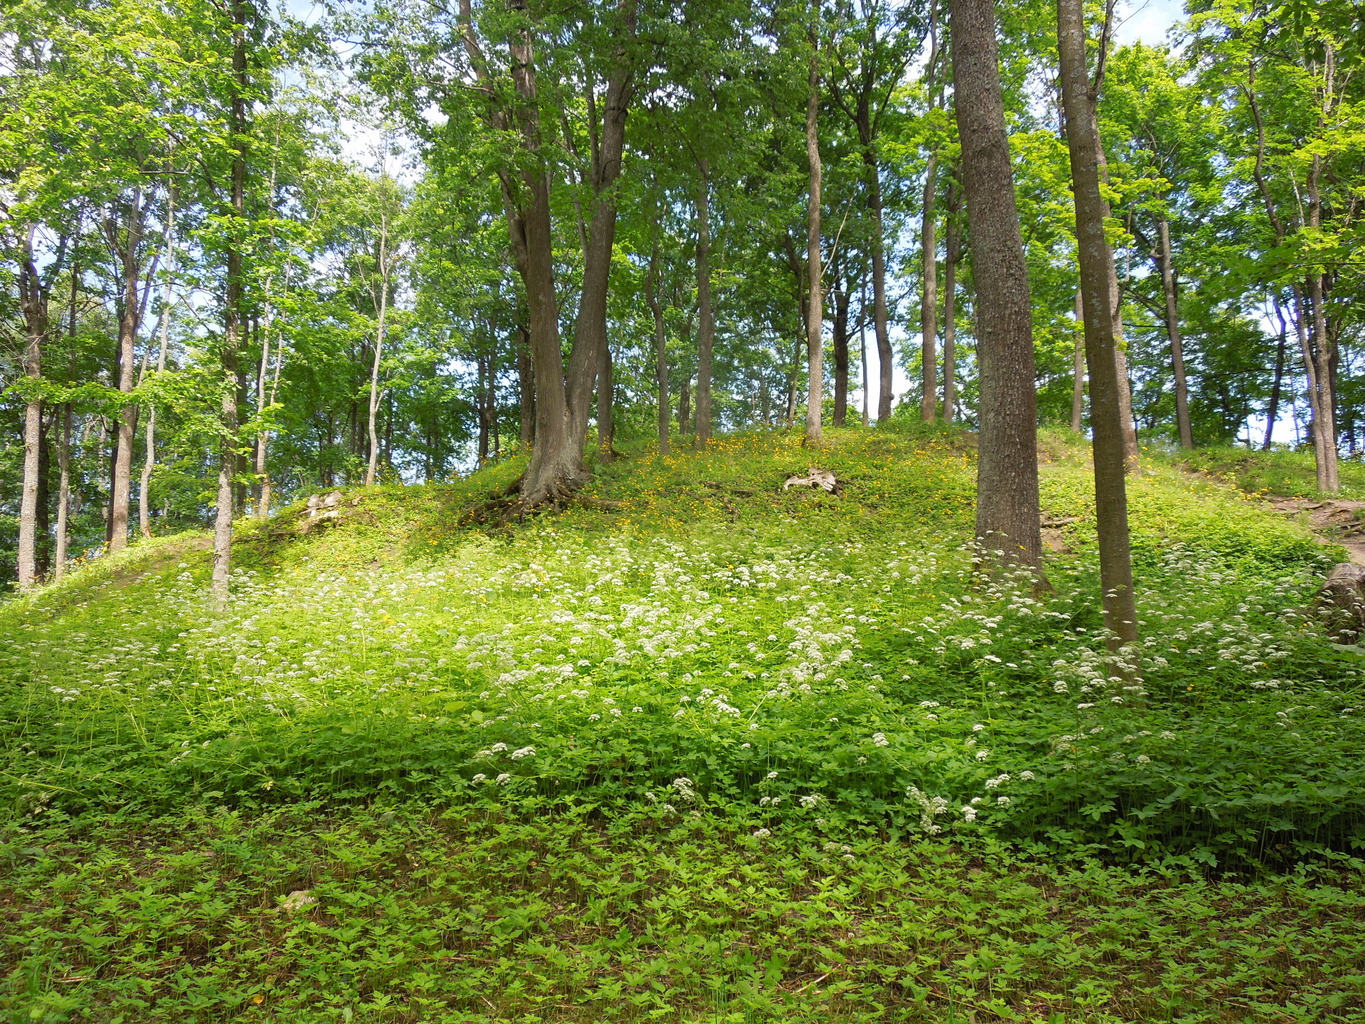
{"x":1116,"y":573}
{"x":706,"y":325}
{"x":1182,"y":399}
{"x":1007,"y":519}
{"x":815,"y":320}
{"x":928,"y":405}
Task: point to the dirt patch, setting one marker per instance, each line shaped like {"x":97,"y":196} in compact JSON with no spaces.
{"x":1332,"y":520}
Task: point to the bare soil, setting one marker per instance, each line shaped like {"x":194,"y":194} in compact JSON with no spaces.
{"x":1333,"y":521}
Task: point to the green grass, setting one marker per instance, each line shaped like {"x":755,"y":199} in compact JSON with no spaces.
{"x":700,"y":749}
{"x":1279,"y":472}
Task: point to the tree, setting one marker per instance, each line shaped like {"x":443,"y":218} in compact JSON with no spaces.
{"x":562,"y":395}
{"x":869,"y":61}
{"x":1096,"y":260}
{"x":1007,"y":517}
{"x":815,"y":319}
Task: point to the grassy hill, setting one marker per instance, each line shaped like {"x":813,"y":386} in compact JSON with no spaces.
{"x":695,"y":749}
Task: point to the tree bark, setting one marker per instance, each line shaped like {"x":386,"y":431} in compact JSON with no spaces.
{"x":815,"y":325}
{"x":1007,"y":519}
{"x":1096,"y":260}
{"x":232,"y":313}
{"x":33,"y":299}
{"x":384,"y":269}
{"x":130,"y":316}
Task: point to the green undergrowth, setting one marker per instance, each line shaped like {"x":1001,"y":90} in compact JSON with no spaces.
{"x":401,"y":914}
{"x":1280,"y":472}
{"x":693,"y":671}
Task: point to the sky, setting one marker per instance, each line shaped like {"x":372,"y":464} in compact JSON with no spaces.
{"x":1147,"y":20}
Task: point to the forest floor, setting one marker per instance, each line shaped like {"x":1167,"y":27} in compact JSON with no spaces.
{"x":1334,"y":520}
{"x":700,"y":749}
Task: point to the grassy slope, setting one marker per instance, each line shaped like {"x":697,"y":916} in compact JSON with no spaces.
{"x":751,"y":724}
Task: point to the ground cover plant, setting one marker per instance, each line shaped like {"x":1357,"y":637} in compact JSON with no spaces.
{"x":697,"y":749}
{"x":1281,"y":471}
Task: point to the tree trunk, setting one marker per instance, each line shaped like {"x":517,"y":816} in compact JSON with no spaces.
{"x":526,"y":389}
{"x":862,"y":346}
{"x":384,"y":270}
{"x":1273,"y":411}
{"x":1078,"y":369}
{"x":950,"y":259}
{"x":1116,"y":573}
{"x":841,"y":304}
{"x":660,"y":346}
{"x":606,"y":399}
{"x":144,"y":504}
{"x":556,"y":468}
{"x":1182,"y":400}
{"x":33,"y":298}
{"x":863,"y":120}
{"x":63,"y":492}
{"x":1322,"y":356}
{"x":130,"y":315}
{"x":706,"y":326}
{"x":1007,"y":518}
{"x":928,"y":405}
{"x":232,"y":313}
{"x":815,"y":320}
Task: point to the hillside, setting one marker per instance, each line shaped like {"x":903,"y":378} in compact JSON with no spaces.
{"x":694,"y":749}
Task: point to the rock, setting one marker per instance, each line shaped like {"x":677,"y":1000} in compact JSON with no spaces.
{"x":299,"y":899}
{"x":1341,"y":602}
{"x":815,"y":477}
